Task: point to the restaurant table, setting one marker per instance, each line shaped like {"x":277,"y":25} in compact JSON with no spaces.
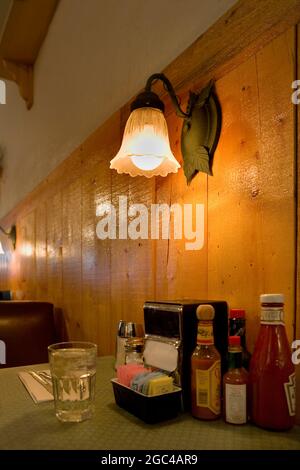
{"x":26,"y":425}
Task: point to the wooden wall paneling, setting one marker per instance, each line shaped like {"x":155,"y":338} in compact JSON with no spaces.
{"x":4,"y":272}
{"x":41,"y":252}
{"x":131,"y":260}
{"x":26,"y":252}
{"x":275,"y":73}
{"x":71,"y":254}
{"x":234,"y":269}
{"x":118,"y":254}
{"x":181,"y":273}
{"x":14,"y":265}
{"x":297,"y":214}
{"x":4,"y":278}
{"x":251,"y":207}
{"x":140,"y":269}
{"x":119,"y":258}
{"x":161,"y":255}
{"x":96,"y":312}
{"x":54,"y":250}
{"x":97,"y":151}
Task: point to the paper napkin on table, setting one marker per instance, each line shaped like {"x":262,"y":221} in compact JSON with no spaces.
{"x":37,"y":391}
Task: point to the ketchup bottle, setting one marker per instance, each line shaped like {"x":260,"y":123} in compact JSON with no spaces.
{"x":272,"y":373}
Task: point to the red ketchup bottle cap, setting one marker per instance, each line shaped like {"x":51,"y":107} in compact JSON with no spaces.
{"x":236,"y":313}
{"x":234,"y":340}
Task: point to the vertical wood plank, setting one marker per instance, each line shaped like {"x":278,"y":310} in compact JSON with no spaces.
{"x":119,"y":250}
{"x":96,"y":317}
{"x":4,"y":281}
{"x":27,"y":256}
{"x":119,"y":257}
{"x":297,"y":280}
{"x":234,"y":270}
{"x":181,"y":272}
{"x":140,"y":272}
{"x":4,"y":272}
{"x":41,"y":252}
{"x":14,"y":265}
{"x":131,"y":260}
{"x":54,"y":249}
{"x":71,"y":253}
{"x":275,"y":72}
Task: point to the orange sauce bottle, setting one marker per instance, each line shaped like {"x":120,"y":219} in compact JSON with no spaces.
{"x":206,"y":369}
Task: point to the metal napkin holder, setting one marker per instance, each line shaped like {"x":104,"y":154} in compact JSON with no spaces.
{"x":164,"y":354}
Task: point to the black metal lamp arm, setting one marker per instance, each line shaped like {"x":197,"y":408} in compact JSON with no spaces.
{"x":168,"y":86}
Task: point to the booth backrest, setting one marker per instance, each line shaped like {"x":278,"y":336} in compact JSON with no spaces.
{"x":26,"y":329}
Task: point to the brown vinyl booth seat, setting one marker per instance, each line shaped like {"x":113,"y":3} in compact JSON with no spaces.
{"x":26,"y":330}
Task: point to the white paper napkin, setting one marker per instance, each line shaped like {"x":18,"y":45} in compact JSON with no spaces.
{"x":36,"y":390}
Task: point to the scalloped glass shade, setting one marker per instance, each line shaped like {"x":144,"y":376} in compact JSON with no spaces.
{"x":145,"y":148}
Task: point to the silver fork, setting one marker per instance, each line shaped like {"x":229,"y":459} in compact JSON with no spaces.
{"x":45,"y":375}
{"x":46,"y":384}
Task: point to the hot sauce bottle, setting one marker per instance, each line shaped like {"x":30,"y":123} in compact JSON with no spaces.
{"x":272,"y":373}
{"x":237,"y":327}
{"x":206,"y":369}
{"x":235,"y":384}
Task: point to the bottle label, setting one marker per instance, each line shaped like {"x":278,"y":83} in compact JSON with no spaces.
{"x":271,"y":316}
{"x":290,"y":393}
{"x":205,"y":333}
{"x":208,"y":383}
{"x":236,"y":403}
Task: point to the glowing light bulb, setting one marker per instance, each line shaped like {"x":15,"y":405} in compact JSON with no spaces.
{"x":145,"y":148}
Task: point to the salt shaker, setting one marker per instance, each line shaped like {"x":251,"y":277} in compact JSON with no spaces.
{"x":134,"y":348}
{"x":126,"y":330}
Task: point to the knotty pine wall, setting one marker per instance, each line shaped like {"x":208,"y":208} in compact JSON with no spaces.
{"x":249,"y":203}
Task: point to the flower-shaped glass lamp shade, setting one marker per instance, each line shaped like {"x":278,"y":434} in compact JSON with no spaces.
{"x":8,"y":240}
{"x":145,"y":148}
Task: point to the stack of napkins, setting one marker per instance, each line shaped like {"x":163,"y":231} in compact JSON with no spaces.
{"x":37,"y":391}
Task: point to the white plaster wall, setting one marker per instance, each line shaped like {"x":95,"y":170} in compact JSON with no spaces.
{"x":96,"y":56}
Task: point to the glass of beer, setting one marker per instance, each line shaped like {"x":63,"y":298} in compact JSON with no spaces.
{"x":73,"y":372}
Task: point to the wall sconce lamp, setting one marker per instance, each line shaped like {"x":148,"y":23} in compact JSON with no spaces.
{"x":145,"y":149}
{"x":12,"y":236}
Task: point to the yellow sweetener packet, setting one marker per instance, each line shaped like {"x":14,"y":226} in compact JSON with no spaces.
{"x":160,"y":385}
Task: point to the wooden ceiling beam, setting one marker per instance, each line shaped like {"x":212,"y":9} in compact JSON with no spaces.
{"x":24,"y":33}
